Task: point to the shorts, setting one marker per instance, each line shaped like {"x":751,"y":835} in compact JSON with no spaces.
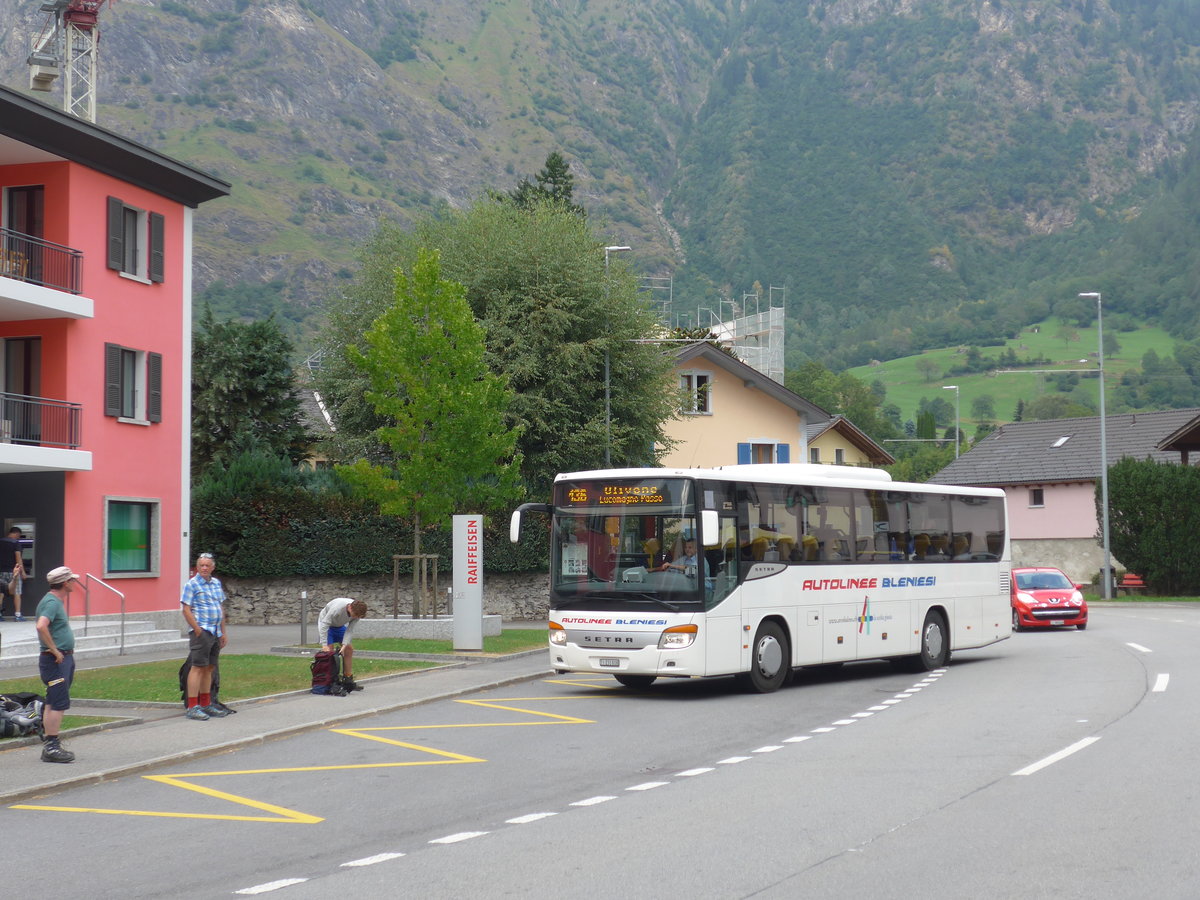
{"x":57,"y":677}
{"x":203,"y":649}
{"x":336,"y":634}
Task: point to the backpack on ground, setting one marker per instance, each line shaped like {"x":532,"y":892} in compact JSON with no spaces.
{"x":21,"y":714}
{"x":326,"y":673}
{"x":216,"y":685}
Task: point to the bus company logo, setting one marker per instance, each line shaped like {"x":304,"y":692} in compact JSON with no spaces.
{"x":864,"y":621}
{"x":584,"y":620}
{"x":654,"y":622}
{"x":859,"y":584}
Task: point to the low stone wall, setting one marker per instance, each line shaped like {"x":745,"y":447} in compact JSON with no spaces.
{"x":439,"y":629}
{"x":276,"y":601}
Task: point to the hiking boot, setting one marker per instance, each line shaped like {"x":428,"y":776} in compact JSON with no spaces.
{"x":214,"y":713}
{"x":53,"y":751}
{"x":197,"y":713}
{"x":350,"y":684}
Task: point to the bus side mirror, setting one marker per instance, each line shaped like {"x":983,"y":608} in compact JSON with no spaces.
{"x":710,"y":527}
{"x":514,"y":526}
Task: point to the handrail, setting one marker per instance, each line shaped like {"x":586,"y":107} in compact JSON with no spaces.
{"x":87,"y":579}
{"x":40,"y":420}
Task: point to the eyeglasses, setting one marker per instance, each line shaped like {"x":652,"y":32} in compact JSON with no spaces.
{"x":206,"y":556}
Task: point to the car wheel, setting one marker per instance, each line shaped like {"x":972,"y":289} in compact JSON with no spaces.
{"x":1081,"y":626}
{"x":640,"y":682}
{"x":1016,"y":621}
{"x":770,"y":661}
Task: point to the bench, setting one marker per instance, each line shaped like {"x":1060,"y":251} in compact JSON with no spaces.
{"x":1131,"y":584}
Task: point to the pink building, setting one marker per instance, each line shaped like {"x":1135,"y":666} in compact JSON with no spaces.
{"x":95,"y":354}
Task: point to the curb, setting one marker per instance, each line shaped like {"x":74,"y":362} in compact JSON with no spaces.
{"x":91,"y":778}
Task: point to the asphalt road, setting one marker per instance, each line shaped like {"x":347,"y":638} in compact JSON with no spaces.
{"x":1050,"y":765}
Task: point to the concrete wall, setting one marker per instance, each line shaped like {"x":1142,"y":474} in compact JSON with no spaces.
{"x":276,"y":601}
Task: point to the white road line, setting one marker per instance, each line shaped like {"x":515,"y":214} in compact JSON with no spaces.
{"x":372,"y":860}
{"x":690,"y":773}
{"x":532,"y":817}
{"x":1138,"y":647}
{"x":823,"y":730}
{"x":1160,"y":683}
{"x":798,"y":739}
{"x":769,"y":749}
{"x":461,"y":836}
{"x":271,"y":886}
{"x":648,"y":786}
{"x":845,"y":721}
{"x":592,"y":801}
{"x":1057,"y":757}
{"x":892,"y":702}
{"x":862,"y":715}
{"x":902,"y":696}
{"x":876,"y":708}
{"x":732,"y":760}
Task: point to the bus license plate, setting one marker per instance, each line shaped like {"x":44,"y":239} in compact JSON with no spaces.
{"x":611,"y":663}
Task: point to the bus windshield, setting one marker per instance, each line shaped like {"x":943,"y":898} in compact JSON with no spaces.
{"x":618,"y":542}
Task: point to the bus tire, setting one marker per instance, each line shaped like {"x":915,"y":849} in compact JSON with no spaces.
{"x":770,"y":659}
{"x":639,"y":682}
{"x":935,"y":643}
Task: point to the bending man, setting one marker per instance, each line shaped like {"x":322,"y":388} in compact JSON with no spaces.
{"x":334,"y":626}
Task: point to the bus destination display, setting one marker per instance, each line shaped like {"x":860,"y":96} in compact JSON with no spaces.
{"x":615,"y":494}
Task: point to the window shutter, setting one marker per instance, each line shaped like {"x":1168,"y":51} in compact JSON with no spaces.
{"x":783,"y":453}
{"x":743,"y":454}
{"x":154,"y":390}
{"x":116,"y":234}
{"x":156,"y":247}
{"x":112,"y":379}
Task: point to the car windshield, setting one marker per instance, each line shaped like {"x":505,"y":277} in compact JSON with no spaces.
{"x":1043,"y":581}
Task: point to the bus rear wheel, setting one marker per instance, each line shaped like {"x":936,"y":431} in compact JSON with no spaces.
{"x":639,"y":682}
{"x":770,"y":661}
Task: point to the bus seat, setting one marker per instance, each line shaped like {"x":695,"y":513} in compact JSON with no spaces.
{"x":812,"y":547}
{"x":759,"y":546}
{"x":786,"y":546}
{"x":920,"y":545}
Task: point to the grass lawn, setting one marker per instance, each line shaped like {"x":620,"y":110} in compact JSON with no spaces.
{"x":242,"y":676}
{"x":512,"y":640}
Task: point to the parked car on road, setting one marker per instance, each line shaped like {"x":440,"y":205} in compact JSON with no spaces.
{"x":1043,"y":597}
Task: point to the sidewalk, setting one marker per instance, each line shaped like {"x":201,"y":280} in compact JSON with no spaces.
{"x":159,"y":735}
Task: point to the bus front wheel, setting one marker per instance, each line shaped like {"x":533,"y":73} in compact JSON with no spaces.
{"x":640,"y":682}
{"x":935,"y":643}
{"x":770,"y":661}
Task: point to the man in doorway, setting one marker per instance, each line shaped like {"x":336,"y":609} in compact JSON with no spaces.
{"x":12,"y":570}
{"x":56,"y":663}
{"x":203,"y":608}
{"x":334,"y":626}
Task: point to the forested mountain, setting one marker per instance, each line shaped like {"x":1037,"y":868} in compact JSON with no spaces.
{"x":910,"y":173}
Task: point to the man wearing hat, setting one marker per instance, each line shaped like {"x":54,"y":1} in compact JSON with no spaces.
{"x":56,"y":664}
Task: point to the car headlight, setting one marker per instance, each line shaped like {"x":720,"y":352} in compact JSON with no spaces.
{"x":557,"y":634}
{"x":678,"y":637}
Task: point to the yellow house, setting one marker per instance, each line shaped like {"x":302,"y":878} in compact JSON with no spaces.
{"x":735,"y":414}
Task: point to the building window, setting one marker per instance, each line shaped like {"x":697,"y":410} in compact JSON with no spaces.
{"x":131,"y":545}
{"x":135,"y":241}
{"x":132,"y":384}
{"x":839,"y":456}
{"x":1036,"y":497}
{"x":814,"y":455}
{"x":763,"y":452}
{"x":697,"y":390}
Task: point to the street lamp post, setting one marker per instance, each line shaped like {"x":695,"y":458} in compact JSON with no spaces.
{"x":1106,"y":572}
{"x":607,"y":365}
{"x":957,"y":420}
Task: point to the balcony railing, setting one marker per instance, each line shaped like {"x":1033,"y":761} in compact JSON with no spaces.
{"x":31,"y":259}
{"x":40,"y":422}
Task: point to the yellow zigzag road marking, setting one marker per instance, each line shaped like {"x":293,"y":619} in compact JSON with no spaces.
{"x":283,"y":815}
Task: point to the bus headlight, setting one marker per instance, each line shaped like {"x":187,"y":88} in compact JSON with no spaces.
{"x":678,"y":637}
{"x":557,"y":634}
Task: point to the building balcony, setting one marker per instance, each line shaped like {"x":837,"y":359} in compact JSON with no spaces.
{"x":41,"y":435}
{"x":40,"y":279}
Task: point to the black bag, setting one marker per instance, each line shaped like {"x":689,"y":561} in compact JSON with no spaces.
{"x":21,"y":714}
{"x":216,"y":684}
{"x":326,"y":671}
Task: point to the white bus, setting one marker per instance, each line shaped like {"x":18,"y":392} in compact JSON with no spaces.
{"x":788,"y":566}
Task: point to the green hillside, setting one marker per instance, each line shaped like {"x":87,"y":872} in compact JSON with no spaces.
{"x":912,"y":379}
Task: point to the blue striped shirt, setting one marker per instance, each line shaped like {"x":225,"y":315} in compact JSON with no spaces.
{"x":205,"y":599}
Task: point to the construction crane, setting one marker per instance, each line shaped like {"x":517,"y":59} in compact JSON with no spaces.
{"x":68,"y":42}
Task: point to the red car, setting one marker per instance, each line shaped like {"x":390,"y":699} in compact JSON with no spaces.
{"x":1043,"y":597}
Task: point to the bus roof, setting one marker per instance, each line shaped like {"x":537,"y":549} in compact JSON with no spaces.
{"x":788,"y":473}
